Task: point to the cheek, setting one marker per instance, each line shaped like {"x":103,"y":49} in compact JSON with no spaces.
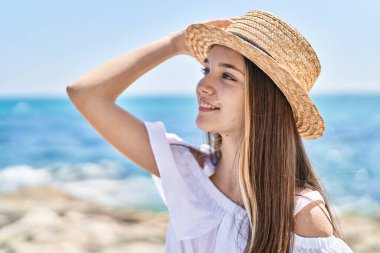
{"x":235,"y":109}
{"x":235,"y":112}
{"x":233,"y":100}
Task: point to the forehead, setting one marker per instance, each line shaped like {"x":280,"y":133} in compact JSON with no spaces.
{"x":222,"y":53}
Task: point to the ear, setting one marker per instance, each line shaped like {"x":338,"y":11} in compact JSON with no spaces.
{"x":313,"y":221}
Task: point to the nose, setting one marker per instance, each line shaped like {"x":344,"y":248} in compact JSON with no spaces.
{"x":204,"y":88}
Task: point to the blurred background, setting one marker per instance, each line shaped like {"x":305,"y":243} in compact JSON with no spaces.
{"x":65,"y":189}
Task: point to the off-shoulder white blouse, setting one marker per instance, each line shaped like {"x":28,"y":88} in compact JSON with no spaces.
{"x":201,"y":218}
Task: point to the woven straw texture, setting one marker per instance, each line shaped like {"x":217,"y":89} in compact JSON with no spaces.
{"x":279,"y":50}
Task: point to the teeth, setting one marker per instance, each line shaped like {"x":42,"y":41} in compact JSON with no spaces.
{"x":207,"y":106}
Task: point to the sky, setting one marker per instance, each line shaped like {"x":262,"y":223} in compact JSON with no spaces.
{"x":46,"y":45}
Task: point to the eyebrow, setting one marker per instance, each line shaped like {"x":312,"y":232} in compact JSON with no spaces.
{"x":226,"y":65}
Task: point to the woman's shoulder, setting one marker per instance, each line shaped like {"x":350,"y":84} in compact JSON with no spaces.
{"x":313,"y":231}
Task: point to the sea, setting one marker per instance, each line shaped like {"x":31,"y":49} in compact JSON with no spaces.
{"x":46,"y":141}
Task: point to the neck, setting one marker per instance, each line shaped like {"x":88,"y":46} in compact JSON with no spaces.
{"x":227,"y":168}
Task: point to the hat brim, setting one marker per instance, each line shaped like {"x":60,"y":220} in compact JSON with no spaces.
{"x":199,"y":39}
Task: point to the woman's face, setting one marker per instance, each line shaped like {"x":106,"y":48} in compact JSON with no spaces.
{"x":223,"y":87}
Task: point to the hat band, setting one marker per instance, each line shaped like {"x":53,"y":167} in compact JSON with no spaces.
{"x":252,"y":43}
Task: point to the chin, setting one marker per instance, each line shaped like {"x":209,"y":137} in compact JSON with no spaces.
{"x":204,"y":125}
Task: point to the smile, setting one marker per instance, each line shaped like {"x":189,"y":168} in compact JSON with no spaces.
{"x":205,"y":105}
{"x":205,"y":109}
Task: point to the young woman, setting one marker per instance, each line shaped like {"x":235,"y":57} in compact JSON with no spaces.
{"x":251,"y":188}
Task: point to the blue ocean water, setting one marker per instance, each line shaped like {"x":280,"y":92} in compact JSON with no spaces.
{"x":47,"y":141}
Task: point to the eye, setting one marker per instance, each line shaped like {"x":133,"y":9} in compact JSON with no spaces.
{"x":228,"y":76}
{"x":206,"y":70}
{"x":203,"y":70}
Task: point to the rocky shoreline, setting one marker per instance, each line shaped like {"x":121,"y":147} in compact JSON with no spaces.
{"x":45,"y":220}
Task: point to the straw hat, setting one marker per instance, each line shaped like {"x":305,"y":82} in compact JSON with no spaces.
{"x":279,"y":50}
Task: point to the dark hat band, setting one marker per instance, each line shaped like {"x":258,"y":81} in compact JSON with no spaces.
{"x":251,"y":42}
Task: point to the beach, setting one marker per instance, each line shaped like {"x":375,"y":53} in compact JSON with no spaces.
{"x":44,"y":219}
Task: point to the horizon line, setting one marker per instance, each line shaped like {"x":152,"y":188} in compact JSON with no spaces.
{"x":22,"y":96}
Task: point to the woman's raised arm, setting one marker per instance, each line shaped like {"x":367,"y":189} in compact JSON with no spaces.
{"x":94,"y":95}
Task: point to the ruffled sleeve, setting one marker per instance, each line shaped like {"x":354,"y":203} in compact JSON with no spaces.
{"x":192,"y":212}
{"x":329,"y":244}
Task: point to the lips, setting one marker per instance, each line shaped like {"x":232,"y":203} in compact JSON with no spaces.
{"x":204,"y":109}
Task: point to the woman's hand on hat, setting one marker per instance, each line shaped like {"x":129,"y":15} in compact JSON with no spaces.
{"x":178,"y":37}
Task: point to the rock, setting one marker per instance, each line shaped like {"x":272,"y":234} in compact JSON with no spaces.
{"x":46,"y":220}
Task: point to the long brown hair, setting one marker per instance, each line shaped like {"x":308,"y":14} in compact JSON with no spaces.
{"x":272,"y":162}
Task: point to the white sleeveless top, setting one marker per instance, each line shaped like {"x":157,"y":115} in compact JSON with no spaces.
{"x":201,"y":218}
